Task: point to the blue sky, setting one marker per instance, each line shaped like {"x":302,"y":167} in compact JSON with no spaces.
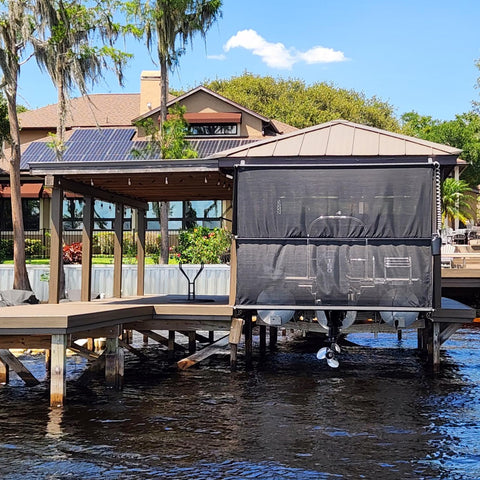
{"x":418,"y":55}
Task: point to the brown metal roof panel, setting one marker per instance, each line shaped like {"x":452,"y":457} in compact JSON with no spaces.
{"x":315,"y":144}
{"x":291,"y":148}
{"x":265,"y":150}
{"x":389,"y":145}
{"x":340,"y":141}
{"x":365,"y":142}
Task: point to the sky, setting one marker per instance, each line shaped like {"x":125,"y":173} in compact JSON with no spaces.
{"x":415,"y":54}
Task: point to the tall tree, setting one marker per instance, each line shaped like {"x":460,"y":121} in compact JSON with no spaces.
{"x":15,"y":29}
{"x":64,"y":46}
{"x":168,"y":26}
{"x":294,"y":102}
{"x":462,"y":132}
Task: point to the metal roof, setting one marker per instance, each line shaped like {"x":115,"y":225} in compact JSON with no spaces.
{"x":340,"y":138}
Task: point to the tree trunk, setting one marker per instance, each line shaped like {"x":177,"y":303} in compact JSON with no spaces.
{"x":164,"y":207}
{"x":20,"y":280}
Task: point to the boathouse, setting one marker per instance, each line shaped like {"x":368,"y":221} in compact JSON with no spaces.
{"x":332,"y":223}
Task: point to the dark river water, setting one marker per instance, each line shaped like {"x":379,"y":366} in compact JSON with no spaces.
{"x":381,"y":415}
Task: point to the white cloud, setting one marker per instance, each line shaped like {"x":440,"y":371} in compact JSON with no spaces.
{"x":217,"y":57}
{"x":322,"y":55}
{"x":276,"y":55}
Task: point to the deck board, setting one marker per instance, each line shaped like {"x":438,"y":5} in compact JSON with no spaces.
{"x":70,"y":317}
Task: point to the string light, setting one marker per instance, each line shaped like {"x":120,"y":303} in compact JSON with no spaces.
{"x":166,"y":180}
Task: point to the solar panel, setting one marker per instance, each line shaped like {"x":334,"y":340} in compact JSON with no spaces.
{"x":115,"y":144}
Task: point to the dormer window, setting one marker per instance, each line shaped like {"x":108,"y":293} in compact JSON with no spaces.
{"x":214,"y":124}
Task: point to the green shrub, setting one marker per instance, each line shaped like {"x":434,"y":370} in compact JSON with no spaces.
{"x":202,"y":245}
{"x":6,"y":250}
{"x":33,"y":248}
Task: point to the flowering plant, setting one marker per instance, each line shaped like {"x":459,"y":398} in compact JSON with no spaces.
{"x":72,"y":253}
{"x":203,"y":245}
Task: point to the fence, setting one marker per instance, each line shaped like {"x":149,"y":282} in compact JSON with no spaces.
{"x":37,"y":242}
{"x":159,"y":279}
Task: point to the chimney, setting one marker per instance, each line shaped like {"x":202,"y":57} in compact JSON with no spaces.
{"x":149,"y":90}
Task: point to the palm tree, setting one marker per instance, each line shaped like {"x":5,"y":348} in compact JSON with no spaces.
{"x":169,"y":25}
{"x":455,"y":201}
{"x":15,"y":29}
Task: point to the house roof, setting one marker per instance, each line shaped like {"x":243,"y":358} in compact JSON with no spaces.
{"x":104,"y":110}
{"x":340,"y":138}
{"x":201,"y":88}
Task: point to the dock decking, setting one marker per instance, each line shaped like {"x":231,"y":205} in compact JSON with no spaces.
{"x":55,"y":327}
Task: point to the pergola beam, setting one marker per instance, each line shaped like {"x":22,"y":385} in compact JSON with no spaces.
{"x":55,"y":181}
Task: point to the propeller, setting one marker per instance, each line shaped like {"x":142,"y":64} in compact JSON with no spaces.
{"x":329,"y":354}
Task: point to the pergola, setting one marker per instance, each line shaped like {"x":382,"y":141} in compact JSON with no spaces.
{"x":125,"y":184}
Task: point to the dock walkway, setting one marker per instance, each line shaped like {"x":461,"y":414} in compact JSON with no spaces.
{"x":56,"y":328}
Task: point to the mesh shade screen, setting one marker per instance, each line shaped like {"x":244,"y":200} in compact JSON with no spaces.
{"x":330,"y":236}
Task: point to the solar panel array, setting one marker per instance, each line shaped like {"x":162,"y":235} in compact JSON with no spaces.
{"x":115,"y":144}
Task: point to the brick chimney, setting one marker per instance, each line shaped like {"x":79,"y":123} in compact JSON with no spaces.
{"x":149,"y":90}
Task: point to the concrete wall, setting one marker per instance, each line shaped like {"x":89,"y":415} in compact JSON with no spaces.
{"x":159,"y":279}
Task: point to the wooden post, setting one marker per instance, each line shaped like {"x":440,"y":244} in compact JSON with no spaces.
{"x":48,"y":363}
{"x":141,"y":227}
{"x":263,"y":339}
{"x":114,"y":359}
{"x":273,"y":336}
{"x":118,"y":251}
{"x":211,"y":336}
{"x":248,"y":341}
{"x":234,"y":339}
{"x":171,"y":344}
{"x":91,"y":344}
{"x":4,"y":373}
{"x":436,"y":347}
{"x":57,"y":376}
{"x":87,"y":249}
{"x":192,"y":345}
{"x":56,"y":247}
{"x":145,"y":339}
{"x":233,"y":272}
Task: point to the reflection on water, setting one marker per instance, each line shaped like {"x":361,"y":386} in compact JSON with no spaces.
{"x":381,"y":415}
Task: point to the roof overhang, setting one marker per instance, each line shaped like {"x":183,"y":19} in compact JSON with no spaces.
{"x":134,"y":183}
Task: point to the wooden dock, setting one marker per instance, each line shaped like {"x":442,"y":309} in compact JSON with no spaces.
{"x":56,"y":328}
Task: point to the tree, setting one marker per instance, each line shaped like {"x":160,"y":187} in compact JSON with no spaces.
{"x":64,"y":46}
{"x":15,"y":29}
{"x":168,"y":141}
{"x":463,"y":132}
{"x":301,"y":105}
{"x":168,"y":26}
{"x":455,"y":201}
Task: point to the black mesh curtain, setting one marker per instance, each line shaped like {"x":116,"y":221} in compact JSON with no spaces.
{"x":338,"y":236}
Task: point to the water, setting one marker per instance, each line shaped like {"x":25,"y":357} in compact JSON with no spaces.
{"x":382,"y":414}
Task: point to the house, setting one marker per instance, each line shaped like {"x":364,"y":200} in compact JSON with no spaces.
{"x":111,"y":120}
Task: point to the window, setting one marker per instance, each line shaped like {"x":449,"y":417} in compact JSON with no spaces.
{"x":213,"y":129}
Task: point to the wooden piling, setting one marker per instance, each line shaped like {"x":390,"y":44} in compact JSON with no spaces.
{"x":171,"y":344}
{"x":273,"y":334}
{"x":58,"y":370}
{"x":248,"y":341}
{"x":4,"y":373}
{"x":192,"y":345}
{"x":114,"y":359}
{"x":234,"y":339}
{"x":263,"y":339}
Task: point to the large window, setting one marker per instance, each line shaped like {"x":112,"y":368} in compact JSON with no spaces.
{"x":219,"y":129}
{"x":30,"y":210}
